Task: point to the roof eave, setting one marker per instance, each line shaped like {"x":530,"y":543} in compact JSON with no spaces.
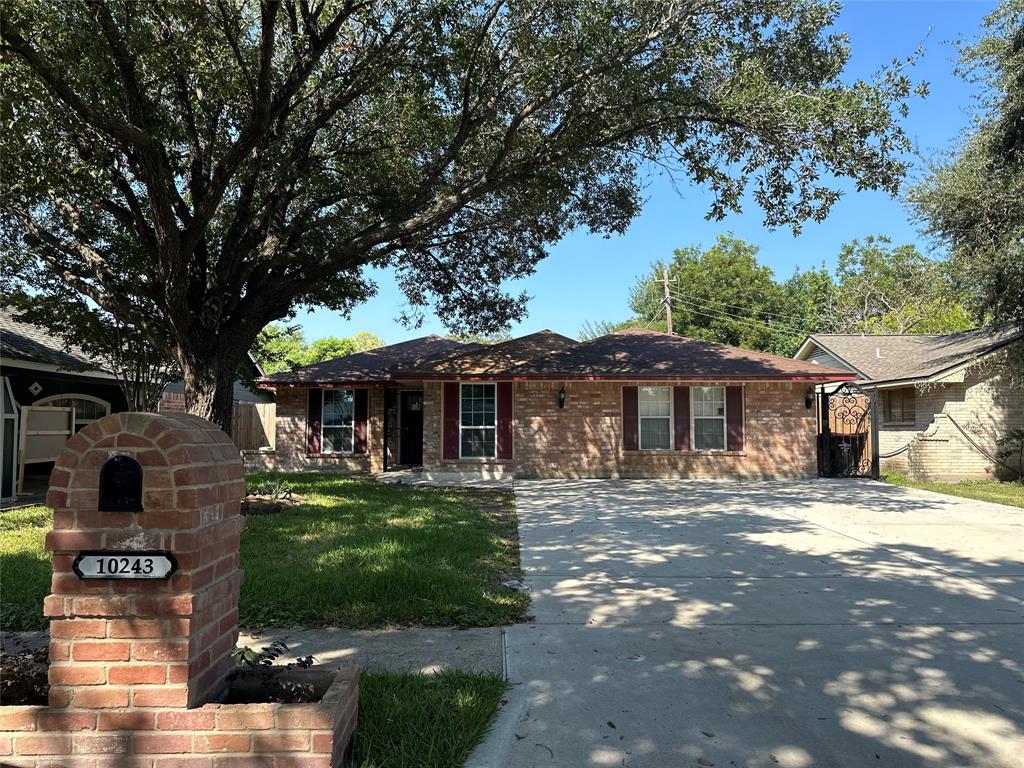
{"x":628,"y":377}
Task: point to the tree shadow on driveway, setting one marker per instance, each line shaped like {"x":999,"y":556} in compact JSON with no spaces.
{"x":767,"y":624}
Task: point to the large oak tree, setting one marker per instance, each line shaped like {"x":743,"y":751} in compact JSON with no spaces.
{"x":199,"y":168}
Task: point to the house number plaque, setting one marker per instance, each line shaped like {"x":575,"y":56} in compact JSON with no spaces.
{"x":125,"y":565}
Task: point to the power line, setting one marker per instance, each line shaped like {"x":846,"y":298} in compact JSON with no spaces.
{"x":722,"y":315}
{"x":798,"y":318}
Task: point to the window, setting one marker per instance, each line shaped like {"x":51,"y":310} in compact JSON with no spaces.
{"x":655,"y":418}
{"x":900,"y":406}
{"x":709,"y":418}
{"x":477,"y":421}
{"x":337,"y":425}
{"x":87,"y":408}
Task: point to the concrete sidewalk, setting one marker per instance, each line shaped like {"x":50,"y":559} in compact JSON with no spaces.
{"x":420,"y":650}
{"x":764,"y":625}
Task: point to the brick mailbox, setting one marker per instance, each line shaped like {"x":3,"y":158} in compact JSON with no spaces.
{"x":144,"y":613}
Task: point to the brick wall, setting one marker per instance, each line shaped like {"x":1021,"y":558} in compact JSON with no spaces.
{"x":290,"y":454}
{"x":135,"y":664}
{"x":584,"y":439}
{"x":312,"y":735}
{"x":981,"y":401}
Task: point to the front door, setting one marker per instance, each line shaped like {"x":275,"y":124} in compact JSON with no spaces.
{"x":410,"y":420}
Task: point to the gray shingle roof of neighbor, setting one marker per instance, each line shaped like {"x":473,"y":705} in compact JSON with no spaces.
{"x":639,"y":353}
{"x":374,"y":365}
{"x":901,"y":357}
{"x":493,"y":359}
{"x":33,"y":344}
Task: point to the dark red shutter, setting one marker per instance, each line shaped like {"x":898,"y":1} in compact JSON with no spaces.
{"x":681,"y":409}
{"x":314,"y":412}
{"x":504,"y":395}
{"x":734,"y":418}
{"x":451,"y":420}
{"x":630,"y":418}
{"x":360,"y":415}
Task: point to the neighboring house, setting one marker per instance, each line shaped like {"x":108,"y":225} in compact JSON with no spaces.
{"x":635,"y":403}
{"x":39,"y":373}
{"x":943,"y":400}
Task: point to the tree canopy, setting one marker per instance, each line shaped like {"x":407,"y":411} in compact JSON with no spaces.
{"x":725,"y":295}
{"x":199,"y":169}
{"x":280,"y":347}
{"x":973,"y":201}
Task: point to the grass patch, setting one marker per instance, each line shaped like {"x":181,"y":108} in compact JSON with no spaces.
{"x":1011,"y":493}
{"x":24,"y":567}
{"x":416,"y":721}
{"x":358,"y":553}
{"x":355,"y":553}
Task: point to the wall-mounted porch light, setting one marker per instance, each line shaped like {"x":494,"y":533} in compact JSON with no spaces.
{"x":561,"y":397}
{"x":809,"y":398}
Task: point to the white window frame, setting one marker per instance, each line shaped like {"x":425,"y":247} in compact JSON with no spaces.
{"x":724,"y":417}
{"x":671,"y":420}
{"x":352,"y":442}
{"x":493,"y":427}
{"x":76,"y":396}
{"x":14,"y":416}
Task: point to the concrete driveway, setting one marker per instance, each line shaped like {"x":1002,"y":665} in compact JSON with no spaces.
{"x":797,"y":624}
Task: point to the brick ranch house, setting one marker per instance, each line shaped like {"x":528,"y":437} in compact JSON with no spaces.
{"x":943,"y":399}
{"x":635,"y":403}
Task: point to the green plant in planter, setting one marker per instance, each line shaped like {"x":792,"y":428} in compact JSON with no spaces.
{"x":1011,"y":446}
{"x":270,"y":677}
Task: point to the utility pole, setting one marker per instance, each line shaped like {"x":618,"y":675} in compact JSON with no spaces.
{"x":667,"y":301}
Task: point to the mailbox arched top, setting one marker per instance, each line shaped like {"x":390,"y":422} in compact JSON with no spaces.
{"x":145,"y":462}
{"x":120,"y":485}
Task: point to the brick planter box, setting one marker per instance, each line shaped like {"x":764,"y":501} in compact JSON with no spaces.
{"x":135,"y":659}
{"x":314,"y":735}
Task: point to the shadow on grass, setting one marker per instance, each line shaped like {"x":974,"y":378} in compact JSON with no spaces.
{"x":360,"y":554}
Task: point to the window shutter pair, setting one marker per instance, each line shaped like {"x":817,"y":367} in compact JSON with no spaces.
{"x":681,"y":410}
{"x":360,"y":417}
{"x":450,"y":426}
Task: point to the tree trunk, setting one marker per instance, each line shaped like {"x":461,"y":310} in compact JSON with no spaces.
{"x":209,"y":386}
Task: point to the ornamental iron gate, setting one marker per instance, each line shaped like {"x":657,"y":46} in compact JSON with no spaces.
{"x":847,"y":432}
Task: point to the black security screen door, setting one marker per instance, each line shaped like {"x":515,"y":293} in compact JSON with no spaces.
{"x":847,"y":433}
{"x":411,"y":427}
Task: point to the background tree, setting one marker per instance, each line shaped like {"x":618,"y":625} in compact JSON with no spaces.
{"x":142,"y":370}
{"x":895,"y":289}
{"x":364,"y":340}
{"x":280,"y":348}
{"x":198,"y":169}
{"x":327,"y":348}
{"x":973,"y":203}
{"x":721,"y":294}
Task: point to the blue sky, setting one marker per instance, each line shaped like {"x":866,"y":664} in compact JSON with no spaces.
{"x":587,"y":277}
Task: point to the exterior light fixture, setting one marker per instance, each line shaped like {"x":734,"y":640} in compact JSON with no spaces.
{"x":561,"y":397}
{"x":809,"y":398}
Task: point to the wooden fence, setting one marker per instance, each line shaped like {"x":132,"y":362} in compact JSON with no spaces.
{"x":252,"y":425}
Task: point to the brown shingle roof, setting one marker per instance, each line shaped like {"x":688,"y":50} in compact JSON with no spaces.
{"x":494,"y":359}
{"x":637,"y":353}
{"x":374,"y":365}
{"x":913,"y":356}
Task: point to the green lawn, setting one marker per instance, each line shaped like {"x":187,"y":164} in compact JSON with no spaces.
{"x":24,"y":567}
{"x":1011,"y":493}
{"x":355,"y":553}
{"x":415,"y":721}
